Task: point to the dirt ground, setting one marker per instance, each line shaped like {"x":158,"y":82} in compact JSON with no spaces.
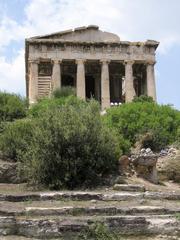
{"x":162,"y":187}
{"x":121,"y":238}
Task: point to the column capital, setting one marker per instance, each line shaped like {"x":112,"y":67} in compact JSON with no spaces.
{"x":105,"y":61}
{"x":35,"y":61}
{"x":150,"y":62}
{"x":80,"y":61}
{"x":129,"y":62}
{"x":56,"y":61}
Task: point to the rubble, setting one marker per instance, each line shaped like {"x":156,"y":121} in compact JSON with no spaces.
{"x":144,"y":163}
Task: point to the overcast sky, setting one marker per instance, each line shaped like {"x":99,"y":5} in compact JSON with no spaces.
{"x":134,"y":20}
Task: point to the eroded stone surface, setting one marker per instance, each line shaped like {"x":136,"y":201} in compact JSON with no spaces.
{"x":7,"y":225}
{"x":162,"y":195}
{"x":145,"y":164}
{"x":51,"y":228}
{"x":129,"y":187}
{"x":70,"y":210}
{"x":66,"y":218}
{"x":8,"y":172}
{"x":168,"y":165}
{"x":83,"y":196}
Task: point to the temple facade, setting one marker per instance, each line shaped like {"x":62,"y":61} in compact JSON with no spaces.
{"x":96,"y":63}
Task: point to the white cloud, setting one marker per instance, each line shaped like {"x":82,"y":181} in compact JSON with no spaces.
{"x":136,"y":20}
{"x":9,"y":30}
{"x":131,"y":19}
{"x":12,"y":74}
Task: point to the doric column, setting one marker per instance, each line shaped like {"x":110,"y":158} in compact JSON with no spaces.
{"x":129,"y":81}
{"x":151,"y":86}
{"x":80,"y":80}
{"x":105,"y":89}
{"x":56,"y":75}
{"x":33,"y":81}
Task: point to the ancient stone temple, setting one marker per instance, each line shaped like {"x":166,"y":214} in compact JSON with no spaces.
{"x":98,"y":64}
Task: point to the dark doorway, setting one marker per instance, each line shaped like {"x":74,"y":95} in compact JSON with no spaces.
{"x":116,"y":73}
{"x":67,"y":80}
{"x":68,"y":73}
{"x":140,"y":85}
{"x":115,"y":89}
{"x":90,"y":87}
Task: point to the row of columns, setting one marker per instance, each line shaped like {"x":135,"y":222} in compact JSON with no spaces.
{"x":105,"y":86}
{"x":129,"y":84}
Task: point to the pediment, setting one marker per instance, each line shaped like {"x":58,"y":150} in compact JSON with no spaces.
{"x":83,"y":34}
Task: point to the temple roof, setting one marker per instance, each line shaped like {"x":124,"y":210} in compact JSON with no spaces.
{"x":90,"y":33}
{"x":86,"y":35}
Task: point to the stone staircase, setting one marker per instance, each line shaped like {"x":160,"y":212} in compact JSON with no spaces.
{"x":127,"y":209}
{"x":44,"y":86}
{"x":62,"y":215}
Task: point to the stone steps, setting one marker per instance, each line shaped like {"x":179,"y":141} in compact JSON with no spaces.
{"x":90,"y":211}
{"x":129,"y":187}
{"x":59,"y":227}
{"x":128,"y":209}
{"x":84,"y":196}
{"x":152,"y":237}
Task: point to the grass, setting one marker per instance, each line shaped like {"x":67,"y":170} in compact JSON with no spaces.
{"x":177,"y":215}
{"x":98,"y":231}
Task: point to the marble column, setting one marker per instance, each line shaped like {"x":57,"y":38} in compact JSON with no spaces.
{"x":80,"y":79}
{"x":129,"y":81}
{"x":151,"y":86}
{"x":33,"y":81}
{"x":105,"y":88}
{"x":56,"y":75}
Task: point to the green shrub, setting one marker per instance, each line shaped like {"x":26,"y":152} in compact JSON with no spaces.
{"x":143,"y":98}
{"x":124,"y":144}
{"x":177,"y":215}
{"x":71,"y":147}
{"x":177,"y":142}
{"x":98,"y":231}
{"x":138,"y":118}
{"x":38,"y":109}
{"x":15,"y":138}
{"x":12,"y":107}
{"x":64,"y":92}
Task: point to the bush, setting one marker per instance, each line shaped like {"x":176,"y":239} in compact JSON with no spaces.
{"x":98,"y":231}
{"x":143,"y":98}
{"x":177,"y":143}
{"x":38,"y":109}
{"x":139,"y":118}
{"x":64,"y":92}
{"x":12,"y":107}
{"x":71,"y":147}
{"x":15,"y":138}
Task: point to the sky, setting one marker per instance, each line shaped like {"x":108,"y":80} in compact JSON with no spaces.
{"x":132,"y":20}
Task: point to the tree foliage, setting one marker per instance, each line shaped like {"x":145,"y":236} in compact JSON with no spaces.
{"x":71,"y":147}
{"x":65,"y":91}
{"x":15,"y":138}
{"x":12,"y":107}
{"x":134,"y":119}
